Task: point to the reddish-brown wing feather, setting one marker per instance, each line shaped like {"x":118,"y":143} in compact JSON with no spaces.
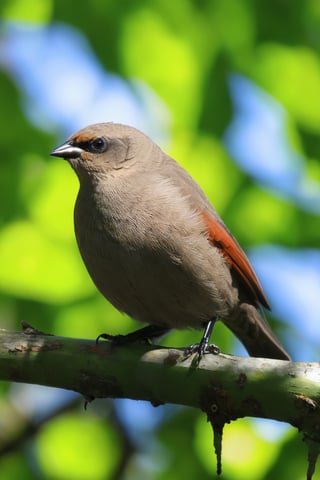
{"x":236,"y":258}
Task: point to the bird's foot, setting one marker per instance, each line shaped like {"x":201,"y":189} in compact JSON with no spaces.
{"x":201,"y":349}
{"x":115,"y":339}
{"x":204,"y":346}
{"x":143,"y":335}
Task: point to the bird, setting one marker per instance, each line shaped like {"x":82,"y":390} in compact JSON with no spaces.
{"x":154,"y":245}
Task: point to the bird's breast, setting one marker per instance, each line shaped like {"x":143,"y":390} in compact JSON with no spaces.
{"x":153,"y":262}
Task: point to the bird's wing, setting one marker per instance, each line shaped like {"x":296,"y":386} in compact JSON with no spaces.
{"x":218,"y":233}
{"x":222,"y":239}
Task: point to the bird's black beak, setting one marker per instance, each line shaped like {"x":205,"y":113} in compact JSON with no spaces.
{"x":67,"y":151}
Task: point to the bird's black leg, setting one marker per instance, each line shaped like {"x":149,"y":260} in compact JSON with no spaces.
{"x":204,"y":343}
{"x":204,"y":347}
{"x":138,"y":336}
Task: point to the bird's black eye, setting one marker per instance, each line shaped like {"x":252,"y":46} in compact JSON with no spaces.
{"x":98,"y":145}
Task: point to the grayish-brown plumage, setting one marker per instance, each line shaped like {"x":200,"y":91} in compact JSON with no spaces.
{"x":153,"y":244}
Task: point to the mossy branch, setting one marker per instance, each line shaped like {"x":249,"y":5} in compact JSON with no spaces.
{"x":223,"y":386}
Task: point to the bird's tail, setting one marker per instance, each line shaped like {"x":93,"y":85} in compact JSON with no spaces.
{"x":255,"y":334}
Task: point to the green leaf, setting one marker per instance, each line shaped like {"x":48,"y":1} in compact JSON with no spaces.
{"x":78,"y":447}
{"x":38,"y":11}
{"x":35,"y":266}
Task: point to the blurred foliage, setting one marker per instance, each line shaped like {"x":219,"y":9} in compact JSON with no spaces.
{"x":184,"y":50}
{"x":57,"y":460}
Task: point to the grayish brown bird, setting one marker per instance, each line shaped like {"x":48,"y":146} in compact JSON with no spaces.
{"x":154,"y":245}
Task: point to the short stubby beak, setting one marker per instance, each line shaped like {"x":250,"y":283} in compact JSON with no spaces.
{"x":67,"y":150}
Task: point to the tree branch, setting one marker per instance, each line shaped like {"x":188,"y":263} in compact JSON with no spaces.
{"x":223,"y":386}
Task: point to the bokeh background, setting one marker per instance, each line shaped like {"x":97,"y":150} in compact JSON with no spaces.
{"x":231,"y":89}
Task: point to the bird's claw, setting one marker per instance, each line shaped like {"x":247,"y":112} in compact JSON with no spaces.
{"x":201,"y":349}
{"x":142,"y":336}
{"x":114,"y":339}
{"x":212,"y":348}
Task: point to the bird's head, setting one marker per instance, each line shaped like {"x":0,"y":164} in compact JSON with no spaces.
{"x":104,"y":148}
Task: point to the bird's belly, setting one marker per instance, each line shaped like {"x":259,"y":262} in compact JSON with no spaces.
{"x":159,"y":286}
